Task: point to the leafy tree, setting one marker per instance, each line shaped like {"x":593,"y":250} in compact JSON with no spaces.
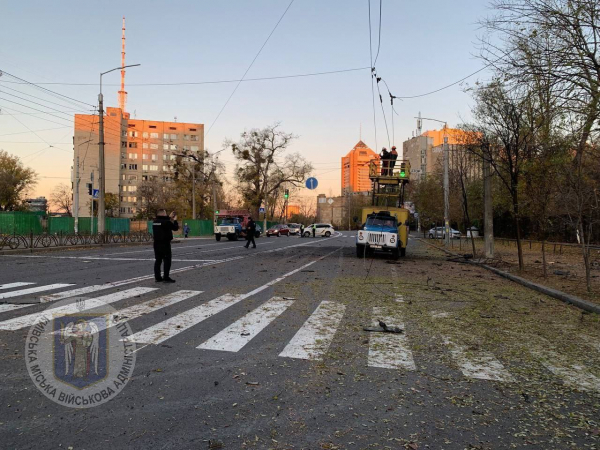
{"x":15,"y":181}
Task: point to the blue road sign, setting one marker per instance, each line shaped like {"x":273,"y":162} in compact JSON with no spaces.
{"x":312,"y":183}
{"x":261,"y":210}
{"x":95,"y":193}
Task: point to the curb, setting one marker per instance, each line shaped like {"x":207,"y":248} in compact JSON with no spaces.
{"x":554,"y":293}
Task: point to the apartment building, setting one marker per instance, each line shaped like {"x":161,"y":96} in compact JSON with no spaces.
{"x":355,"y":169}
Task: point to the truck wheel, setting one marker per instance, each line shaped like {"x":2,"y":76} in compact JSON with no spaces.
{"x":360,"y":251}
{"x":395,"y":253}
{"x":218,"y":237}
{"x":229,"y":237}
{"x":403,"y":252}
{"x":236,"y":236}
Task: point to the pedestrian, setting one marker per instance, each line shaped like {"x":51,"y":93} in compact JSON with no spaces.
{"x":393,"y":158}
{"x":385,"y":161}
{"x":162,"y":231}
{"x":250,"y":232}
{"x":186,"y":230}
{"x":314,"y":229}
{"x":301,"y":230}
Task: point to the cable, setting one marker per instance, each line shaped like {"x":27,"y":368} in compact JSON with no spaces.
{"x":372,"y":70}
{"x":36,"y":103}
{"x":26,"y":132}
{"x":382,"y":110}
{"x":379,"y":43}
{"x":3,"y":72}
{"x":38,"y":98}
{"x":249,"y":67}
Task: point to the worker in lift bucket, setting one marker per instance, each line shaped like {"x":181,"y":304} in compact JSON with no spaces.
{"x":385,"y":161}
{"x":393,"y":158}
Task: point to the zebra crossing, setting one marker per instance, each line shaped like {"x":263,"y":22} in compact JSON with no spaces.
{"x":311,"y":342}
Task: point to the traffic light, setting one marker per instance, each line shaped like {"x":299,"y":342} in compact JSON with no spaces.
{"x":286,"y":194}
{"x":216,"y":211}
{"x":402,"y":170}
{"x":89,"y":188}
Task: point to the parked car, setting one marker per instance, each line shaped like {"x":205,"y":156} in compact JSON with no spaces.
{"x":278,"y":230}
{"x":294,"y":228}
{"x":323,"y":229}
{"x":439,"y":232}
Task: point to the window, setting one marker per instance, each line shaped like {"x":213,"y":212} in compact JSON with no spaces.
{"x":193,"y":137}
{"x":132,"y":177}
{"x":132,"y":166}
{"x":152,"y":126}
{"x":123,"y":144}
{"x":145,"y":167}
{"x":123,"y":155}
{"x":133,"y":134}
{"x":186,"y":137}
{"x":173,"y":157}
{"x":174,"y":136}
{"x":166,"y":168}
{"x":133,"y":145}
{"x":173,"y":147}
{"x":166,"y":136}
{"x":165,"y":146}
{"x":123,"y":166}
{"x":165,"y":157}
{"x":154,"y":146}
{"x":153,"y":167}
{"x":186,"y":148}
{"x":154,"y":157}
{"x":131,"y":125}
{"x":145,"y":156}
{"x":195,"y":148}
{"x":192,"y":129}
{"x":131,"y":188}
{"x":123,"y":177}
{"x":153,"y":135}
{"x":145,"y":134}
{"x":172,"y":128}
{"x":133,"y":156}
{"x":124,"y":188}
{"x":145,"y":145}
{"x":124,"y":133}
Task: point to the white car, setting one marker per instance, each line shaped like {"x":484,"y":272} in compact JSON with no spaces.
{"x":322,"y":229}
{"x":440,"y":232}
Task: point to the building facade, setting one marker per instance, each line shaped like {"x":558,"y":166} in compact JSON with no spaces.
{"x":355,"y":169}
{"x":135,"y":151}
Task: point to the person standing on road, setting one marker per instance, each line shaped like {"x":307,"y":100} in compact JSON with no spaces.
{"x":250,"y":232}
{"x":301,"y":230}
{"x":314,"y":229}
{"x":393,"y":158}
{"x":162,"y":231}
{"x":186,"y":230}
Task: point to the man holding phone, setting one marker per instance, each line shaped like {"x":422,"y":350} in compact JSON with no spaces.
{"x":162,"y":231}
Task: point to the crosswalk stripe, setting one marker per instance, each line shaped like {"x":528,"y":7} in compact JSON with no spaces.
{"x":314,"y":337}
{"x":33,"y":290}
{"x":174,"y":325}
{"x":238,"y":334}
{"x":76,"y":292}
{"x":389,"y":350}
{"x":11,"y":307}
{"x":13,"y":285}
{"x":572,"y":375}
{"x":72,"y":308}
{"x":135,"y":311}
{"x":478,"y":364}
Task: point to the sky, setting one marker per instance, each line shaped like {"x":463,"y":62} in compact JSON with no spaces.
{"x":424,"y":46}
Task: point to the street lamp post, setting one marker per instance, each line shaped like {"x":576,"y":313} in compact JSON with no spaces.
{"x":101,"y":170}
{"x":446,"y":162}
{"x":76,"y":189}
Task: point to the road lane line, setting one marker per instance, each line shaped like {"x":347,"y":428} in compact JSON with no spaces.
{"x":149,"y":306}
{"x":171,"y":327}
{"x":73,"y":308}
{"x":11,"y":306}
{"x":238,"y":334}
{"x":572,"y":375}
{"x":314,"y":337}
{"x":33,"y":290}
{"x":478,"y":364}
{"x":389,"y":350}
{"x":13,"y":285}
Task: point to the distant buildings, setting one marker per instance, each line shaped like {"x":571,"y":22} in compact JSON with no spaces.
{"x":135,"y":151}
{"x":355,"y":169}
{"x":39,"y":204}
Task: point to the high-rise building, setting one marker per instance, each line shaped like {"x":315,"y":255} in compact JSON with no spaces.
{"x":135,"y":150}
{"x":355,"y":169}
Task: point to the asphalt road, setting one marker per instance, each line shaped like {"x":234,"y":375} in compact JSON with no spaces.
{"x":265,"y":348}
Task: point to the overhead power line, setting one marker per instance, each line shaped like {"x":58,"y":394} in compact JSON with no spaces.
{"x":250,"y":66}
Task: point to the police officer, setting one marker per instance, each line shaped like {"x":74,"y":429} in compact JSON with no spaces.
{"x":162,"y":230}
{"x":301,"y":230}
{"x":314,"y":229}
{"x":250,"y":232}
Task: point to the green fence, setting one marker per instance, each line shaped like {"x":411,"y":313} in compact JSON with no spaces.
{"x":197,"y":227}
{"x":17,"y":222}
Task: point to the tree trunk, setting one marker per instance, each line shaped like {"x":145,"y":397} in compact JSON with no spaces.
{"x":518,"y":229}
{"x":544,"y":259}
{"x":586,"y":257}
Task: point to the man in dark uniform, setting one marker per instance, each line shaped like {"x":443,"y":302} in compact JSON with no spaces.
{"x":393,"y":157}
{"x":250,"y":232}
{"x":314,"y":229}
{"x":385,"y":161}
{"x":162,"y":231}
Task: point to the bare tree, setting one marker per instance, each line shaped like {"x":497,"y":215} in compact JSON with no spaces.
{"x":61,"y":198}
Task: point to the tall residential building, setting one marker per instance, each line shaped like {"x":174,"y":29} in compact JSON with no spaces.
{"x":135,"y":151}
{"x":355,"y":169}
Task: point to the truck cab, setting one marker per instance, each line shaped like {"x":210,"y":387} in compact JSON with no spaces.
{"x":384,"y":231}
{"x":232,"y":224}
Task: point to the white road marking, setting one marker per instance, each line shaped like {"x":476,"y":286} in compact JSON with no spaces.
{"x":572,"y":375}
{"x":103,"y":258}
{"x":238,"y":334}
{"x":13,"y":285}
{"x":11,"y":306}
{"x":135,"y":311}
{"x":33,"y":290}
{"x":314,"y":337}
{"x":389,"y":350}
{"x":478,"y":364}
{"x":72,"y":308}
{"x":174,"y":325}
{"x":439,"y":314}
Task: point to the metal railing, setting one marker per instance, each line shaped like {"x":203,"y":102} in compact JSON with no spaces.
{"x":22,"y":241}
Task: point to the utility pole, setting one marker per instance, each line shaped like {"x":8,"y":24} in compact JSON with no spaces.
{"x":446,"y":189}
{"x":194,"y":191}
{"x":214,"y":191}
{"x":101,"y":183}
{"x":488,"y":212}
{"x":92,"y":200}
{"x":76,"y":196}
